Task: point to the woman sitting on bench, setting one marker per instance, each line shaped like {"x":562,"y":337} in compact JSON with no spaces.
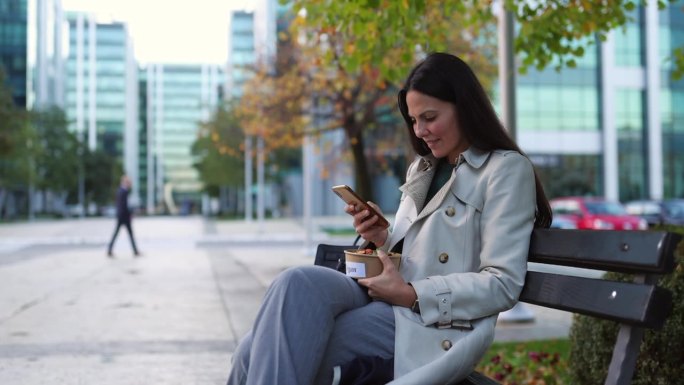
{"x":468,"y":207}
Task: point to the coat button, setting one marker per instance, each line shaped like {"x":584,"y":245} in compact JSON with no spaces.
{"x":446,"y":344}
{"x":444,"y":257}
{"x":450,"y":211}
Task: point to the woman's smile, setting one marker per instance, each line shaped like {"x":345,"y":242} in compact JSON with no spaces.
{"x":431,"y":142}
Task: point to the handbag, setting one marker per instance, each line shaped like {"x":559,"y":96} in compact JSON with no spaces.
{"x":332,"y":256}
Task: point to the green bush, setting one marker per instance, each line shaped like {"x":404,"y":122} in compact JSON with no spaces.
{"x":661,"y":358}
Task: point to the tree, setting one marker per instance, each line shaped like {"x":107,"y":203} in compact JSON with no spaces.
{"x":390,"y":34}
{"x":10,"y":119}
{"x":317,"y":76}
{"x":102,"y":176}
{"x":678,"y":60}
{"x":386,"y":37}
{"x":218,"y":151}
{"x":561,"y":30}
{"x":280,"y":107}
{"x":16,"y":149}
{"x":102,"y":173}
{"x":57,"y":160}
{"x":219,"y":154}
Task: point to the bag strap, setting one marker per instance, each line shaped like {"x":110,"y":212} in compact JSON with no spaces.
{"x":356,"y":241}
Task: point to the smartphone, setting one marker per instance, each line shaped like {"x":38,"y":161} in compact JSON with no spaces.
{"x":352,"y":198}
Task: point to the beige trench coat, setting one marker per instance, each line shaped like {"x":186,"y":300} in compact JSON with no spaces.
{"x":465,"y":254}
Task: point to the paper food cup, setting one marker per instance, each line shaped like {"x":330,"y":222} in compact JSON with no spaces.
{"x":359,"y":265}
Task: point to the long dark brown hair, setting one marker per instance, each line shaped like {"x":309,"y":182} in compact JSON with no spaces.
{"x":448,"y":78}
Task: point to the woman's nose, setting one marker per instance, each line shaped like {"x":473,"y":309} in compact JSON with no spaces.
{"x":419,"y":129}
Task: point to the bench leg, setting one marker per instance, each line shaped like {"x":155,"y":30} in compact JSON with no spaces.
{"x":625,"y":354}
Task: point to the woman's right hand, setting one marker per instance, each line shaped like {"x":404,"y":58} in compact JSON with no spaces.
{"x":367,"y":225}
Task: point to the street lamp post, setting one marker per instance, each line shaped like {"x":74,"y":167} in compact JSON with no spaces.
{"x":81,"y":176}
{"x":260,"y":183}
{"x":31,"y":187}
{"x":248,"y":178}
{"x":507,"y":70}
{"x":307,"y":169}
{"x":519,"y":312}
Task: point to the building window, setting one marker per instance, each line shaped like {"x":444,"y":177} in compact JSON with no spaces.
{"x":568,"y":175}
{"x":629,"y":119}
{"x":629,"y":41}
{"x":673,"y":143}
{"x":557,"y":108}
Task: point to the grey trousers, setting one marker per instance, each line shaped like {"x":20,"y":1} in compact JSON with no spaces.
{"x":312,"y":319}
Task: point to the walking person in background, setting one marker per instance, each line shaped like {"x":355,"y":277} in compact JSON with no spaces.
{"x":123,"y":215}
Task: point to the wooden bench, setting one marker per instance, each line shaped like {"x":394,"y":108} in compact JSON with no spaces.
{"x":636,"y":305}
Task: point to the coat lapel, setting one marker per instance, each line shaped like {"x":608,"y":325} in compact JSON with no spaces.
{"x":417,"y":186}
{"x":436,"y":201}
{"x":415,"y":191}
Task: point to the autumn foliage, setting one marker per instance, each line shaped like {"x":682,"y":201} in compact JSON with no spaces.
{"x":323,"y":79}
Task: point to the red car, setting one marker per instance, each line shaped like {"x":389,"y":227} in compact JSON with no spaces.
{"x":597,"y":214}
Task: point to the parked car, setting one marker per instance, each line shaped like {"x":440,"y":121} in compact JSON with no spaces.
{"x":596,"y":213}
{"x":674,"y":211}
{"x":563,"y":222}
{"x":668,"y":212}
{"x":651,"y":211}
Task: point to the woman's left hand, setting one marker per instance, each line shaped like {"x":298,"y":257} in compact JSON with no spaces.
{"x":389,"y":286}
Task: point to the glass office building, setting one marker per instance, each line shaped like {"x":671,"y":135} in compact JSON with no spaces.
{"x":671,"y":36}
{"x":241,"y":53}
{"x":46,"y":55}
{"x":252,"y":39}
{"x":31,"y":53}
{"x":14,"y":47}
{"x":145,"y":162}
{"x":613,"y":126}
{"x":178,"y":98}
{"x":101,"y":90}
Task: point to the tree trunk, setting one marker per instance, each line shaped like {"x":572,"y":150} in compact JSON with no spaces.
{"x":224,"y":199}
{"x":363,"y":187}
{"x":3,"y":197}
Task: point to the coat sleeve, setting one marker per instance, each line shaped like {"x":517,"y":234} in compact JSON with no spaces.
{"x":505,"y":227}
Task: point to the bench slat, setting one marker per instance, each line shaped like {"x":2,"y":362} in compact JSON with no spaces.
{"x":620,"y":251}
{"x":635,"y":304}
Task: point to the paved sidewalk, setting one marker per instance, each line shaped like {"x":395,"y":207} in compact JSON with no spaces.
{"x":70,"y":315}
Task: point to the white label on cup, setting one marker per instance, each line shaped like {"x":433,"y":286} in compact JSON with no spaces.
{"x":356,"y":269}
